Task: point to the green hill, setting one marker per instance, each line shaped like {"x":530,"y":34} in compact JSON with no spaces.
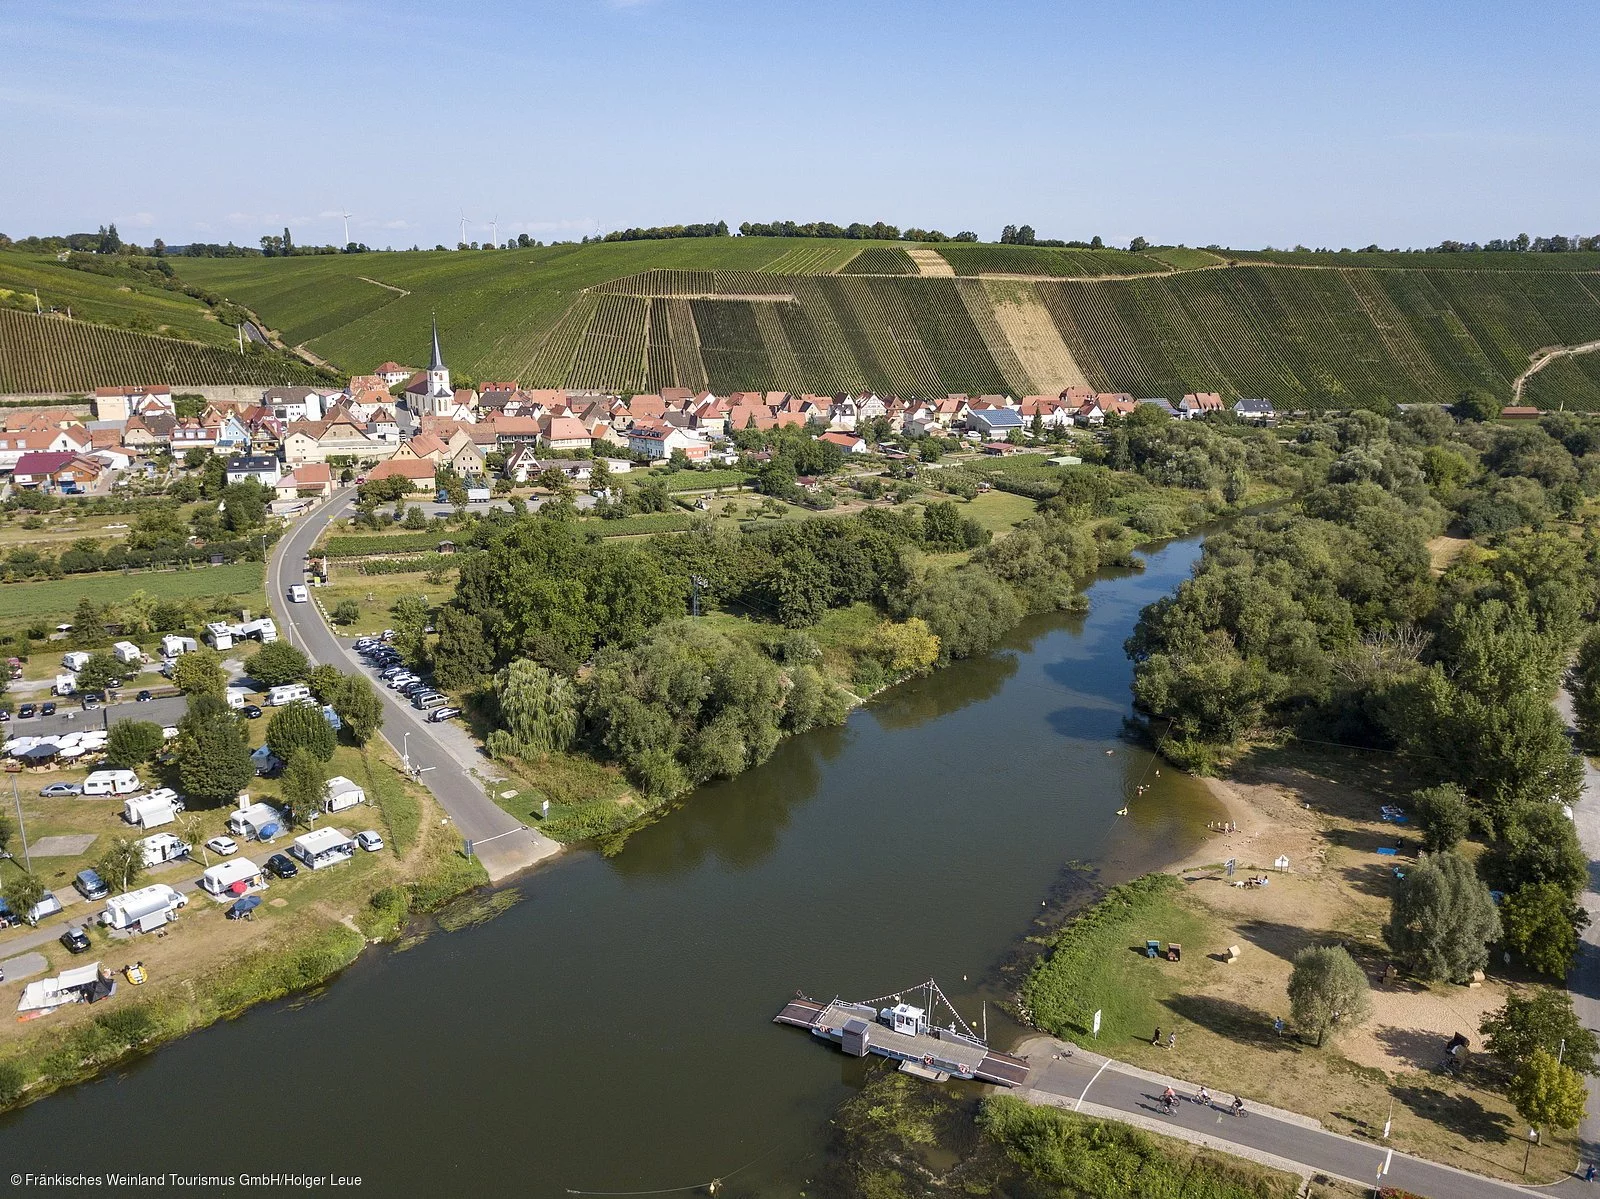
{"x":1304,"y":329}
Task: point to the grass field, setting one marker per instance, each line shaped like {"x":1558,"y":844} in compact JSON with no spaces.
{"x":125,"y":298}
{"x":999,"y":511}
{"x":242,"y":581}
{"x":1354,"y":329}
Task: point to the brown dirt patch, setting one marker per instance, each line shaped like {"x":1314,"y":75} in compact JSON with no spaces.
{"x":1035,"y":338}
{"x":931,"y":264}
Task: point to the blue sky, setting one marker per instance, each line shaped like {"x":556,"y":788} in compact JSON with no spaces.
{"x":1241,"y":123}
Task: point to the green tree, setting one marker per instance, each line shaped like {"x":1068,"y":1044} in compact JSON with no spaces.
{"x":1443,"y":919}
{"x":131,"y":743}
{"x":359,"y":708}
{"x":122,"y":863}
{"x":200,"y":672}
{"x":277,"y":664}
{"x":213,"y":756}
{"x":99,"y":672}
{"x":1541,"y":1018}
{"x":968,"y":610}
{"x":299,"y":727}
{"x":538,"y":711}
{"x":346,"y":612}
{"x":410,"y":613}
{"x":1477,"y":406}
{"x":1583,"y":684}
{"x":1539,"y":845}
{"x":304,"y":786}
{"x":461,"y":655}
{"x":1444,"y":815}
{"x":325,"y":682}
{"x":1541,"y":927}
{"x":88,"y":625}
{"x":415,"y":519}
{"x":244,"y":506}
{"x":1547,"y":1093}
{"x":24,"y":893}
{"x":1328,"y":991}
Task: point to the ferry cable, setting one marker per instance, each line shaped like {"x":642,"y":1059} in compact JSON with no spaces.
{"x":711,"y":1186}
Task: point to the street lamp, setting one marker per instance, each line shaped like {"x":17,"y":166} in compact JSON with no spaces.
{"x":1533,"y":1139}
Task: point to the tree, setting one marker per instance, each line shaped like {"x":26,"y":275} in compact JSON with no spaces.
{"x":99,"y":672}
{"x":200,"y":672}
{"x":131,"y":743}
{"x":325,"y":682}
{"x":24,"y":893}
{"x":1548,"y":1093}
{"x":1476,"y":406}
{"x":300,"y":727}
{"x":1541,"y":927}
{"x":359,"y":708}
{"x":277,"y":664}
{"x":304,"y":787}
{"x":410,"y":613}
{"x":1138,"y":244}
{"x":908,"y":647}
{"x":968,"y":610}
{"x":1443,"y":919}
{"x":1327,"y":991}
{"x":346,"y":612}
{"x":122,"y":863}
{"x":1583,"y":684}
{"x":213,"y":757}
{"x":1444,"y":816}
{"x":1540,"y":845}
{"x":1539,"y":1019}
{"x":538,"y":711}
{"x":244,"y":505}
{"x":461,"y":656}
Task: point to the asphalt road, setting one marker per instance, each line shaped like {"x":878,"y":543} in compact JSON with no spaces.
{"x":1584,"y":983}
{"x":502,"y":843}
{"x":1111,"y":1089}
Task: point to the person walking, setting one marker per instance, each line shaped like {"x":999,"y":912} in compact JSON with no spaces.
{"x":1156,"y":1040}
{"x":1172,"y":1040}
{"x":1588,"y":1175}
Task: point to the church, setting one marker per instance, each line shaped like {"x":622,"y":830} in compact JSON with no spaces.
{"x":430,"y":393}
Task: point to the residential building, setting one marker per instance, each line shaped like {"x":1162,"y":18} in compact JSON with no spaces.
{"x":656,"y":439}
{"x":260,"y":467}
{"x":119,"y":403}
{"x":419,"y":472}
{"x":1256,"y":411}
{"x":57,"y":470}
{"x":848,"y":442}
{"x":312,"y":479}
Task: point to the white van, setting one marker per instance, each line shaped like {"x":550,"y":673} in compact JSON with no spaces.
{"x":76,"y":660}
{"x":162,"y":847}
{"x":65,"y":684}
{"x":298,"y":594}
{"x":289,"y":693}
{"x":112,"y":782}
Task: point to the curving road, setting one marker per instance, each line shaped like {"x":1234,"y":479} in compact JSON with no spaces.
{"x":501,"y":842}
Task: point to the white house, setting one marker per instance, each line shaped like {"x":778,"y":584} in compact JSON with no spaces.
{"x":994,"y":423}
{"x":654,"y":439}
{"x":260,"y":467}
{"x":1257,"y":411}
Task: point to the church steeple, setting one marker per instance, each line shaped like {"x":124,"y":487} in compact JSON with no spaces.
{"x":436,"y":363}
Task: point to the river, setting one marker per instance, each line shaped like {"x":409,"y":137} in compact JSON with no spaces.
{"x":612,"y":1031}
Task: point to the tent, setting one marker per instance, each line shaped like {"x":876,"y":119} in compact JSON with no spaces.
{"x":244,"y":907}
{"x":40,"y":753}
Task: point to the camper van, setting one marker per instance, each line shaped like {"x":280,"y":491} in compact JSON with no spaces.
{"x":112,"y":782}
{"x":220,"y":634}
{"x":127,"y":653}
{"x":163,"y":847}
{"x":239,"y":874}
{"x":147,"y":908}
{"x":342,"y":794}
{"x":151,"y":811}
{"x":174,"y":646}
{"x":290,"y":693}
{"x":65,"y":684}
{"x":298,"y":594}
{"x":256,"y":822}
{"x":76,"y":660}
{"x":237,"y":699}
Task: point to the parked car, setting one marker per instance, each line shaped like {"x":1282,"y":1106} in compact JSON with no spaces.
{"x":251,"y":711}
{"x":48,"y":708}
{"x":61,"y":790}
{"x":92,"y":700}
{"x":143,"y":697}
{"x":223,"y":846}
{"x":369,"y":840}
{"x":280,"y":865}
{"x":439,"y":715}
{"x":76,"y":940}
{"x":90,"y":885}
{"x":5,"y":715}
{"x":26,"y":711}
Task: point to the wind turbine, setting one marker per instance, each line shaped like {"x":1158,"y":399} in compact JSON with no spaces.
{"x":463,"y":227}
{"x":494,"y":226}
{"x":346,"y":226}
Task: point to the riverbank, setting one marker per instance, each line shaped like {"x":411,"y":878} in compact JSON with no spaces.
{"x":212,"y":969}
{"x":1321,"y":810}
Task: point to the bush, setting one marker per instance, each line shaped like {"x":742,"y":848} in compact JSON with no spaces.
{"x":1443,"y":919}
{"x":1444,"y":815}
{"x":300,"y":726}
{"x":277,"y":664}
{"x":346,"y":612}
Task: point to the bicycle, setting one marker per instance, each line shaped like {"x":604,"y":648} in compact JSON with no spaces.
{"x":1203,"y":1097}
{"x":1169,"y":1106}
{"x":1238,"y":1109}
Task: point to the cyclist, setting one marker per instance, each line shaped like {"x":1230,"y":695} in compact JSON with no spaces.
{"x":1203,"y":1098}
{"x":1238,"y":1106}
{"x":1169,"y":1099}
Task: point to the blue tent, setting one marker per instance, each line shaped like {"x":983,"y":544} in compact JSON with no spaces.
{"x":244,"y":906}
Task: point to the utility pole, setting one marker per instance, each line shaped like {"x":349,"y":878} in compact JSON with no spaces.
{"x":22,"y":829}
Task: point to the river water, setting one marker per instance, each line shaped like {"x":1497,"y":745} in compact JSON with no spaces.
{"x":612,"y":1031}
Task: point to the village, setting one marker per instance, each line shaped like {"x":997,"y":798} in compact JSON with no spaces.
{"x":302,"y":442}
